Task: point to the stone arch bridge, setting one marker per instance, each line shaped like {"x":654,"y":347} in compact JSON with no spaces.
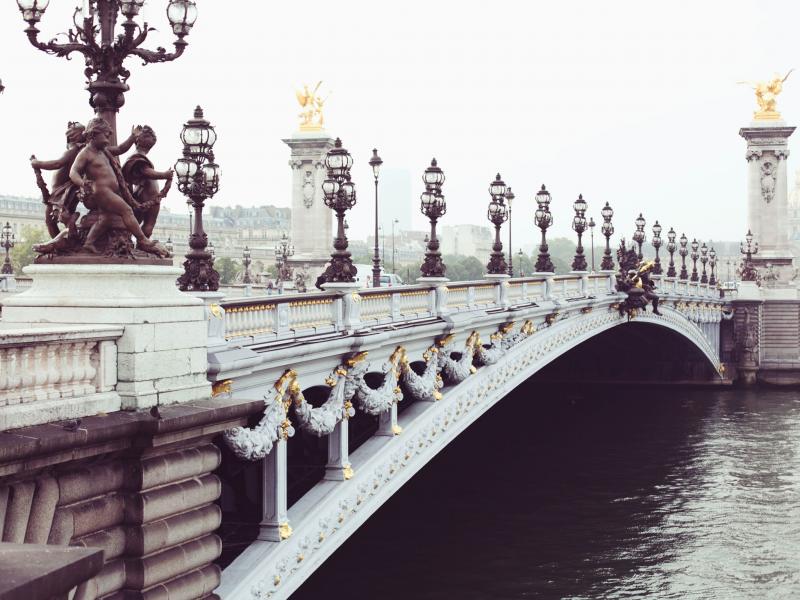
{"x":409,"y":368}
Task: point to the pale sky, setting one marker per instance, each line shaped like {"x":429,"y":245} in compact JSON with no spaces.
{"x":630,"y":102}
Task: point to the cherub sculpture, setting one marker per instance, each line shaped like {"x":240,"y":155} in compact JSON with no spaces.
{"x":141,"y":176}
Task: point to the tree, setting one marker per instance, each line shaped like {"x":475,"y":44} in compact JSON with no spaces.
{"x":22,"y":253}
{"x":228,"y":269}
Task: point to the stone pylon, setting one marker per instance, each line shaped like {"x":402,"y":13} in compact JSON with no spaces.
{"x":312,"y":230}
{"x":767,"y":194}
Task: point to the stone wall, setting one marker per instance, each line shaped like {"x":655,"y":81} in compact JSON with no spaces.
{"x":141,"y":487}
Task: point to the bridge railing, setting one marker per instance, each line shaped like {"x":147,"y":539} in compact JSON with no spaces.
{"x":295,"y":315}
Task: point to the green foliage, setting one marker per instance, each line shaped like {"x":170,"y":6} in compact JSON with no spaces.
{"x":228,"y":269}
{"x":22,"y":253}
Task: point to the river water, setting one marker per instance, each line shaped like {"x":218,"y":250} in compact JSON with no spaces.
{"x":631,"y":493}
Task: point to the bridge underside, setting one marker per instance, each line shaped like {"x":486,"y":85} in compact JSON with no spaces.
{"x":630,"y":354}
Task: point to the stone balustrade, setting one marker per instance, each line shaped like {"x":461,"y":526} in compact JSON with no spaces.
{"x":57,"y":373}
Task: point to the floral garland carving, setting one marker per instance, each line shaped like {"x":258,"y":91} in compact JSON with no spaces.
{"x":456,"y":371}
{"x":426,"y":387}
{"x":377,"y":401}
{"x":323,"y":419}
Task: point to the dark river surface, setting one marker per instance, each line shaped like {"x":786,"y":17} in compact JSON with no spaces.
{"x":631,"y":493}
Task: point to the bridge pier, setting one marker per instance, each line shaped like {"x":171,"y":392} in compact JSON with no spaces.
{"x":338,"y":467}
{"x":275,"y":521}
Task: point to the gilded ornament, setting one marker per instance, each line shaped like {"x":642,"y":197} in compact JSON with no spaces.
{"x":357,"y":358}
{"x":215,"y":310}
{"x":285,"y":532}
{"x":311,"y":117}
{"x":221,"y":387}
{"x":767,"y":96}
{"x":347,"y":471}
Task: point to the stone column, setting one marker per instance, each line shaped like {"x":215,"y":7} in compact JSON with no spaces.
{"x":767,"y":195}
{"x":312,"y":221}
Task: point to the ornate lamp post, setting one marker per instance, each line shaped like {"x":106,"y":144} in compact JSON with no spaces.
{"x":671,"y":247}
{"x":198,"y":179}
{"x":521,"y":271}
{"x":543,"y":219}
{"x":638,"y":235}
{"x":394,"y":251}
{"x":284,"y":249}
{"x":339,"y":195}
{"x":375,"y":162}
{"x":497,"y":215}
{"x":704,"y":260}
{"x":591,"y":232}
{"x":246,"y":277}
{"x":7,"y":243}
{"x":211,"y":251}
{"x":712,"y":261}
{"x":579,"y":226}
{"x":607,"y":228}
{"x":749,"y":272}
{"x":169,"y":245}
{"x":433,"y":206}
{"x":104,"y":52}
{"x":694,"y":256}
{"x":509,"y":199}
{"x":657,"y":244}
{"x":683,"y":251}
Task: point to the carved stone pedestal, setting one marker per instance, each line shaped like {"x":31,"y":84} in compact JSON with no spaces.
{"x":162,"y":354}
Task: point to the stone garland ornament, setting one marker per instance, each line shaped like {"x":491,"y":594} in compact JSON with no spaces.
{"x":489,"y":355}
{"x":456,"y":371}
{"x":511,"y":340}
{"x":376,"y":401}
{"x":322,"y":420}
{"x":426,"y":387}
{"x":257,"y":443}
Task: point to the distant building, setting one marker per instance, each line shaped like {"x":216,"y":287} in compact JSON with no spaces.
{"x":469,"y":240}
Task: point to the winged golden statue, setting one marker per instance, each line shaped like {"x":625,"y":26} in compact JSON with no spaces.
{"x":311,"y":118}
{"x":767,"y":96}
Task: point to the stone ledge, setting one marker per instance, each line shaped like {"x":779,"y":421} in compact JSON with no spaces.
{"x":53,"y":444}
{"x":39,"y":572}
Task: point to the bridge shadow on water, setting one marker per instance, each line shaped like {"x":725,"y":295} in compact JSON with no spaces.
{"x":559,"y":491}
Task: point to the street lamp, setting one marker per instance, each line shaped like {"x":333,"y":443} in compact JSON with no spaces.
{"x":375,"y":162}
{"x":104,"y":55}
{"x":657,"y":244}
{"x":712,"y":261}
{"x":638,"y":235}
{"x":211,"y":251}
{"x":749,"y":272}
{"x":246,"y":278}
{"x":607,"y":229}
{"x":497,"y":215}
{"x":671,"y":247}
{"x":683,"y":251}
{"x":7,"y":243}
{"x":198,"y":179}
{"x":284,"y":249}
{"x":694,"y":256}
{"x":579,"y":226}
{"x":521,"y":271}
{"x":169,"y":245}
{"x":339,"y":194}
{"x":591,"y":232}
{"x":509,"y":199}
{"x":704,"y":260}
{"x":433,"y":206}
{"x":543,"y":219}
{"x":394,"y":252}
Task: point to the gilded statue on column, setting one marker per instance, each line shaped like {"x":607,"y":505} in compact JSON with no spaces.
{"x":311,"y":117}
{"x":767,"y":96}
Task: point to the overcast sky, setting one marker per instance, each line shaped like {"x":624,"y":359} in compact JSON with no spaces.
{"x":629,"y":102}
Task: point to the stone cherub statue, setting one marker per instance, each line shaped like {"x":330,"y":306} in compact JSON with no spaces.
{"x":89,"y":172}
{"x":767,"y":95}
{"x":141,"y":176}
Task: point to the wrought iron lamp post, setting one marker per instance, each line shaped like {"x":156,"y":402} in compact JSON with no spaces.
{"x":375,"y":162}
{"x":591,"y":233}
{"x":671,"y":247}
{"x":433,"y":206}
{"x":683,"y":251}
{"x":7,"y":242}
{"x":246,"y":261}
{"x":607,"y":228}
{"x":497,"y":215}
{"x":657,"y":241}
{"x":339,"y":195}
{"x":543,"y":219}
{"x":521,"y":271}
{"x":638,"y":235}
{"x":579,"y":226}
{"x":694,"y":256}
{"x":169,"y":245}
{"x":394,"y":251}
{"x":749,"y":272}
{"x":704,"y":260}
{"x":211,"y":251}
{"x":712,"y":262}
{"x":104,"y":52}
{"x":284,"y":249}
{"x":509,"y":199}
{"x":198,"y":179}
